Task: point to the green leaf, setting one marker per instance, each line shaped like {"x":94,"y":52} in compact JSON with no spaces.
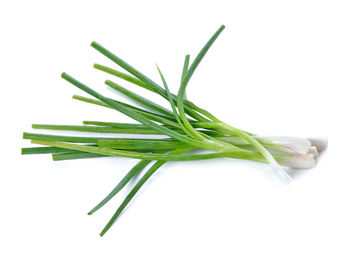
{"x":142,"y":144}
{"x":136,"y":188}
{"x":45,"y":150}
{"x":121,"y":75}
{"x":172,"y":103}
{"x":140,"y":118}
{"x":187,"y":77}
{"x":139,"y":99}
{"x":241,"y":154}
{"x":131,"y":174}
{"x":98,"y":129}
{"x":151,"y":85}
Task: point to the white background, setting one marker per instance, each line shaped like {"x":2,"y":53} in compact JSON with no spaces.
{"x":279,"y":68}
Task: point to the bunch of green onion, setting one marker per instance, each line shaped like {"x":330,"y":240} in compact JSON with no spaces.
{"x":188,"y":132}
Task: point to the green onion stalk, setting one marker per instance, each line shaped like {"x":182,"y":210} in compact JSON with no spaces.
{"x":185,"y":132}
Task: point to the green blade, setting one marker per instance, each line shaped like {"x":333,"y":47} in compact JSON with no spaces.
{"x":187,"y":77}
{"x":136,"y":188}
{"x":170,"y":99}
{"x":121,"y":75}
{"x":185,"y":67}
{"x":131,"y":174}
{"x":151,"y":85}
{"x":145,"y":102}
{"x":83,"y":155}
{"x":184,"y":70}
{"x":239,"y":153}
{"x":169,"y":121}
{"x":140,"y":118}
{"x":141,"y":144}
{"x":45,"y":150}
{"x":75,"y":155}
{"x":45,"y":137}
{"x":98,"y":129}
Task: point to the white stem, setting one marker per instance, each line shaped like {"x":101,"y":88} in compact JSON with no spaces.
{"x":279,"y":170}
{"x":301,"y":161}
{"x":320,"y":143}
{"x":292,"y":144}
{"x":266,"y":154}
{"x":313,"y":150}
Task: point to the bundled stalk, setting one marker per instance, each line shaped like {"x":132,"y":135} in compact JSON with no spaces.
{"x":188,"y":132}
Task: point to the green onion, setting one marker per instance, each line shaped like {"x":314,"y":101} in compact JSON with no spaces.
{"x":187,"y":132}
